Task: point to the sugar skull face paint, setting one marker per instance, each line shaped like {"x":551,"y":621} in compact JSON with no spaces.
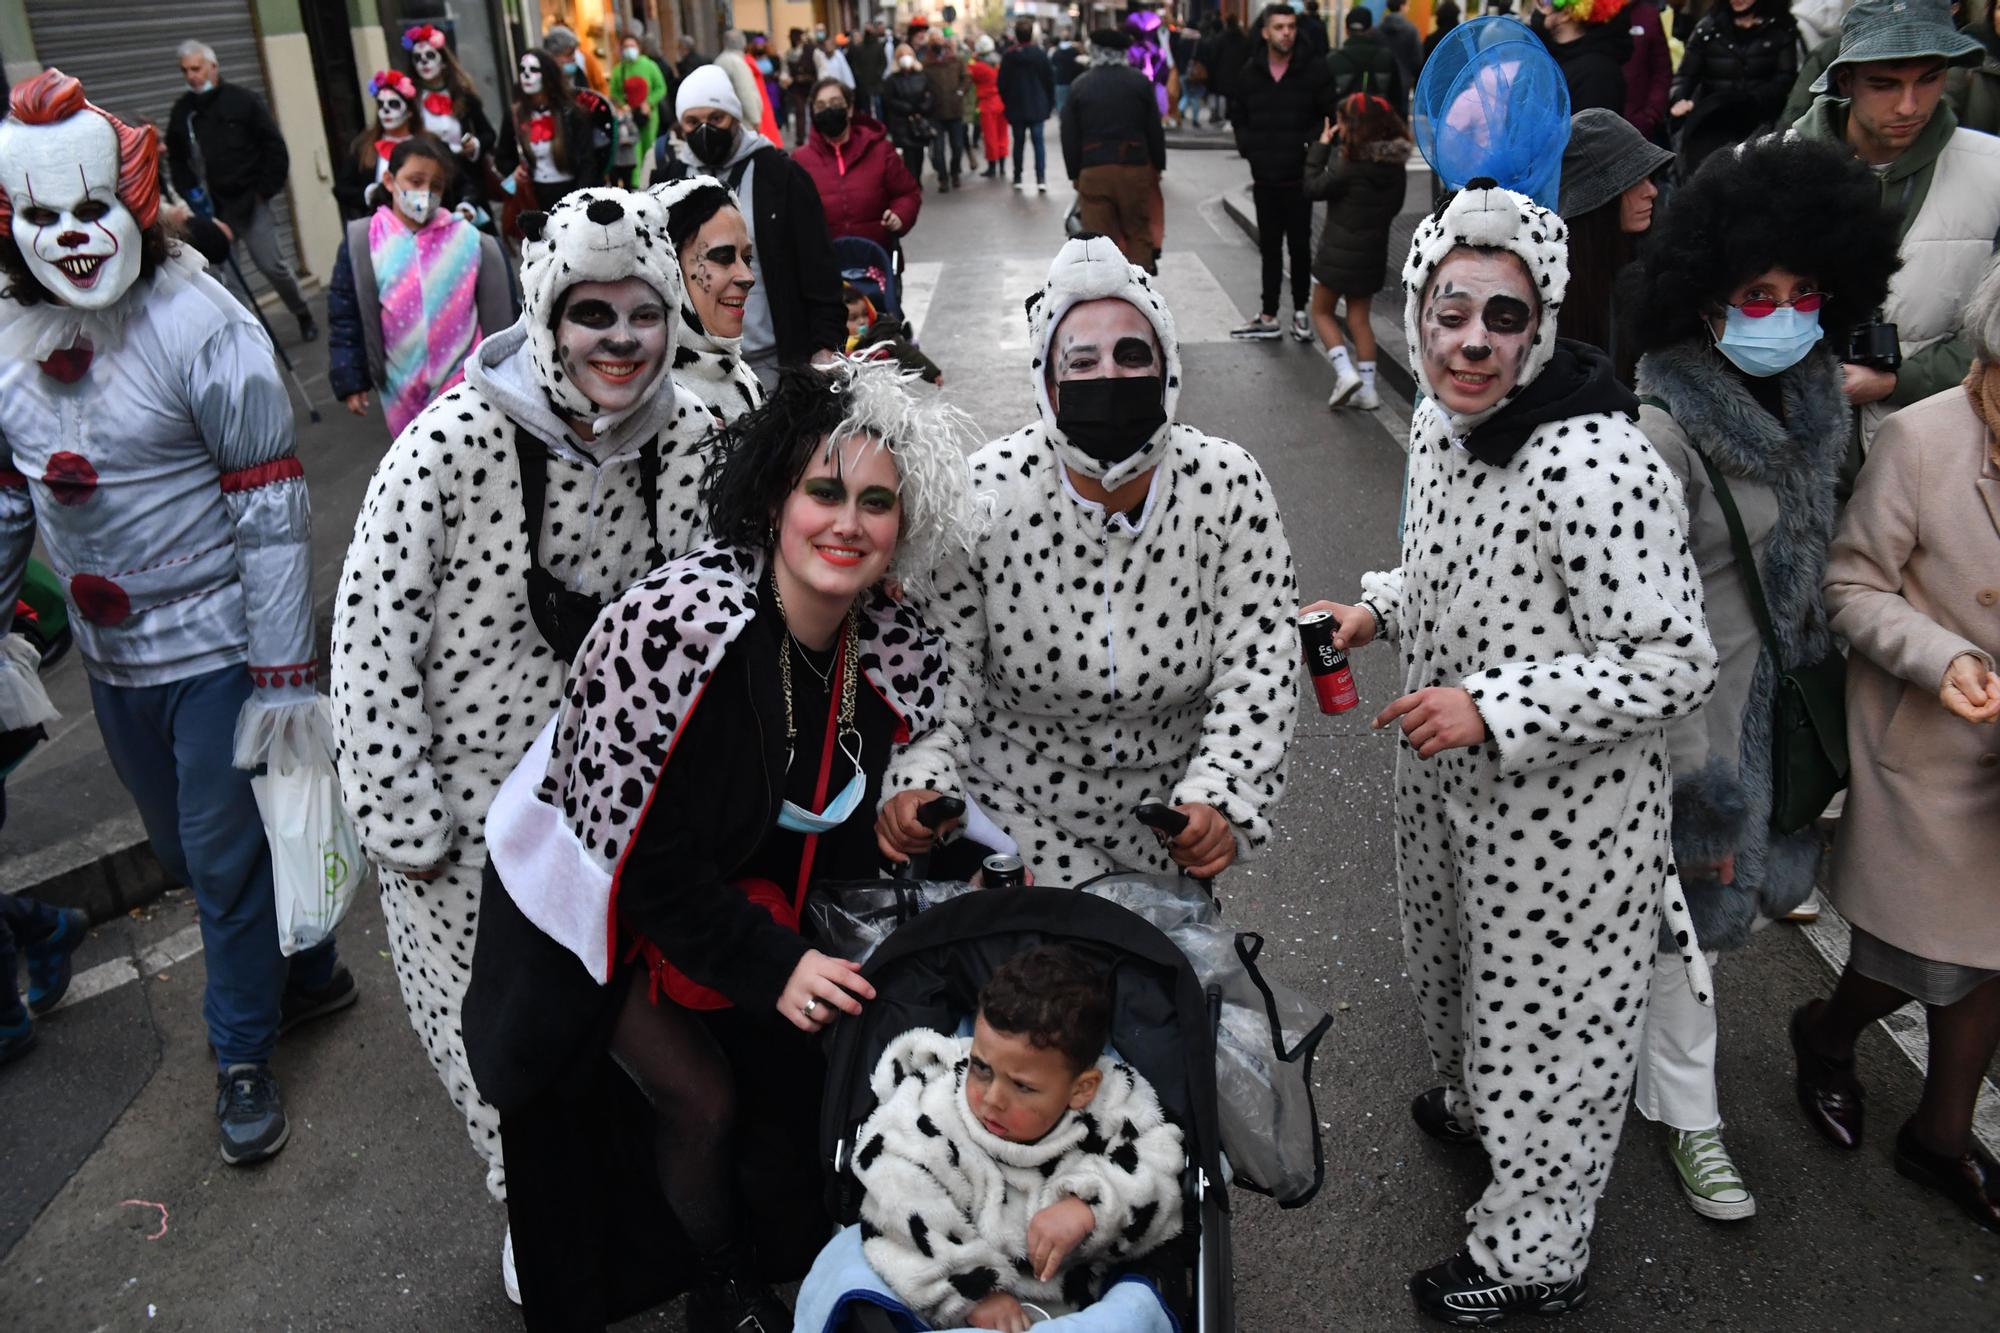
{"x":612,"y":341}
{"x":428,"y":61}
{"x":393,"y":109}
{"x":1476,"y":327}
{"x":78,"y":239}
{"x":531,"y":75}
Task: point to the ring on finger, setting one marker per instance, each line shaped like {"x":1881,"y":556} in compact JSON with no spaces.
{"x":811,"y":1007}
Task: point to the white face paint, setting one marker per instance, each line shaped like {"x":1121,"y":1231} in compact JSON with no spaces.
{"x":79,"y":241}
{"x":428,"y":60}
{"x":1477,"y":328}
{"x":531,"y":76}
{"x":392,"y":108}
{"x":612,"y":341}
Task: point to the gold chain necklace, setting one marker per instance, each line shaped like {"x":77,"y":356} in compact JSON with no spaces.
{"x":847,"y":663}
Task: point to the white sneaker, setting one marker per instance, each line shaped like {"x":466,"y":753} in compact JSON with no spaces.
{"x":1302,"y":328}
{"x":1346,"y":383}
{"x":1365,"y":398}
{"x":507,"y":1277}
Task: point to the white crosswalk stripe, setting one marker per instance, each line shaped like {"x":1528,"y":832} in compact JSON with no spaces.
{"x":1203,"y":311}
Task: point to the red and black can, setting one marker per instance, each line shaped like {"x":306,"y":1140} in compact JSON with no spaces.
{"x":1003,"y":871}
{"x":1333,"y":682}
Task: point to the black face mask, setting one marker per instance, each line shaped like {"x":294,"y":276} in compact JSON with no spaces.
{"x":831,"y":121}
{"x":1111,"y":419}
{"x":711,"y":143}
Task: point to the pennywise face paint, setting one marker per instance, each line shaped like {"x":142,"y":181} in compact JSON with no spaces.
{"x":716,"y":264}
{"x":1476,"y":327}
{"x":79,"y":241}
{"x":612,"y":341}
{"x":531,"y":76}
{"x":392,"y":108}
{"x":428,"y":61}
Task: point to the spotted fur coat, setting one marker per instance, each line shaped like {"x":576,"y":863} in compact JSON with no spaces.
{"x":945,"y":1217}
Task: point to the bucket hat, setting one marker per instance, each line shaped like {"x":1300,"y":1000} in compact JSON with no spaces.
{"x":1900,"y":30}
{"x":1604,"y":158}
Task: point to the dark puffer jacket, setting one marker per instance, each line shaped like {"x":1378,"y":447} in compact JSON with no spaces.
{"x":1753,"y":66}
{"x":1594,"y":64}
{"x":1275,"y":120}
{"x":907,"y":108}
{"x":1363,"y":197}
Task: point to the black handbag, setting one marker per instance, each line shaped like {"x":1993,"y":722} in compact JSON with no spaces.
{"x":1809,"y":714}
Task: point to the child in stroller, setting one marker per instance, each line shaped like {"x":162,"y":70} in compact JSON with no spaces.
{"x":1012,"y":1166}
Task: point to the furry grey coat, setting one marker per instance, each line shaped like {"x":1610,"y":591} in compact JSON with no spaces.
{"x":1781,"y":475}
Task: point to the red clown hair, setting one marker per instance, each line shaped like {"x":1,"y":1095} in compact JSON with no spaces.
{"x":52,"y":97}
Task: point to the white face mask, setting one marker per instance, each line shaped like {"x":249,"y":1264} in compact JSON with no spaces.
{"x":429,"y":61}
{"x":417,"y":205}
{"x":394,"y":111}
{"x":631,"y":53}
{"x":531,"y":77}
{"x":77,"y":239}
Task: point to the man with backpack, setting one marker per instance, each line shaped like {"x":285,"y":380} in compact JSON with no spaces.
{"x":1366,"y":64}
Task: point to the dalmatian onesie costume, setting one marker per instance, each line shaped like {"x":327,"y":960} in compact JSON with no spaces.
{"x":441,"y":672}
{"x":1558,"y":589}
{"x":1104,"y":660}
{"x":948,"y":1202}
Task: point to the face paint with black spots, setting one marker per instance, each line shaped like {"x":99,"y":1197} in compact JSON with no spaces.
{"x":1476,"y":329}
{"x":612,"y":341}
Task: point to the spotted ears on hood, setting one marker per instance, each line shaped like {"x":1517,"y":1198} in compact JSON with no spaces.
{"x":533,"y":224}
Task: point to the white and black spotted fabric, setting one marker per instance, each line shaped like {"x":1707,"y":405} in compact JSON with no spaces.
{"x":440,"y":676}
{"x":564,"y":823}
{"x":1102,"y":659}
{"x":710,"y":368}
{"x":1559,"y":590}
{"x":945,"y":1216}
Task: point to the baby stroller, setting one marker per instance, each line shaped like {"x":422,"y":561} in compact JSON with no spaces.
{"x":929,"y":972}
{"x":870,"y":269}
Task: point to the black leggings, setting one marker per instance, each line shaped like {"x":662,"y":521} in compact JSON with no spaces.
{"x":716,"y":1079}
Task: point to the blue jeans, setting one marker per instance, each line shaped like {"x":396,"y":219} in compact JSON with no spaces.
{"x":171,"y":746}
{"x":23,"y":921}
{"x":1023,"y":133}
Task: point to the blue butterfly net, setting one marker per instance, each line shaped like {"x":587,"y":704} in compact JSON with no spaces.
{"x":1492,"y":102}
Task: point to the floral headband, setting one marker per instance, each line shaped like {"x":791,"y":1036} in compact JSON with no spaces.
{"x":426,"y":34}
{"x":395,"y":81}
{"x":1589,"y":11}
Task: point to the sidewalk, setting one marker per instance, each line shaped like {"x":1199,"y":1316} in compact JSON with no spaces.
{"x":72,"y":835}
{"x":1386,"y":316}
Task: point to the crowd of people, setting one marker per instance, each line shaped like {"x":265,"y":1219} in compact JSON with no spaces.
{"x":1699,"y":531}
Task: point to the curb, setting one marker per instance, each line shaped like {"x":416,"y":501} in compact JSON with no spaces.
{"x":107,"y":872}
{"x":1201,"y":141}
{"x":1393,"y":364}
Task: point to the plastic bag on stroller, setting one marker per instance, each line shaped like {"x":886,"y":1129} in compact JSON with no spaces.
{"x":1264,"y":1043}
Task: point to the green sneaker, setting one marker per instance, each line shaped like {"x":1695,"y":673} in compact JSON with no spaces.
{"x":1708,"y":1177}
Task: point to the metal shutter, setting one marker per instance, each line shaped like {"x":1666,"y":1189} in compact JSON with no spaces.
{"x":124,"y":53}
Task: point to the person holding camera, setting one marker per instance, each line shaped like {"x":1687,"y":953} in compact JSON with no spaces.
{"x":1883,"y":98}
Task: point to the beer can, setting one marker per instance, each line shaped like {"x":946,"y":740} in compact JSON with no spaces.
{"x":1004,"y":872}
{"x":1333,"y":682}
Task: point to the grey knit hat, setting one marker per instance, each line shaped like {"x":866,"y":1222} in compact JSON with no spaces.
{"x":1605,"y":158}
{"x":1900,"y":30}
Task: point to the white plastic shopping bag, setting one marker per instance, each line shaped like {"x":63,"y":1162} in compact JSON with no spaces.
{"x":316,"y":861}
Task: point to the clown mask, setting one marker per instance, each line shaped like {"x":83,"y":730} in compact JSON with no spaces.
{"x":393,"y":108}
{"x":1477,"y":326}
{"x":531,"y":76}
{"x":78,"y":240}
{"x":612,"y":341}
{"x":428,"y":61}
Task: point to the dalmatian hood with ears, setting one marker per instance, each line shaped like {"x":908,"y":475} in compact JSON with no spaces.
{"x":602,"y":235}
{"x":1486,"y":217}
{"x":1090,"y":268}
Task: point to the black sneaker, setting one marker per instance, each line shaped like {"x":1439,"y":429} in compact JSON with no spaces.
{"x":736,"y":1306}
{"x":49,"y":961}
{"x":1428,"y":1110}
{"x":1459,"y":1292}
{"x":302,"y":1006}
{"x":308,"y":330}
{"x":251,"y":1112}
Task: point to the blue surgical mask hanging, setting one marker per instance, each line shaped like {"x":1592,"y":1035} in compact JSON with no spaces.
{"x":1767,"y":346}
{"x":841,"y":808}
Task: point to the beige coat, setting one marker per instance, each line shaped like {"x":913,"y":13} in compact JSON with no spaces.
{"x":1914,"y":581}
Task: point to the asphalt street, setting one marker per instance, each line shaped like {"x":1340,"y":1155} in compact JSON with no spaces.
{"x":116,"y":1214}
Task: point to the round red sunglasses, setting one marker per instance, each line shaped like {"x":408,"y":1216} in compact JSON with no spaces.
{"x":1757,"y":307}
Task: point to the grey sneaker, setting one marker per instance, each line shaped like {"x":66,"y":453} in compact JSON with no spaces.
{"x":251,"y":1114}
{"x":1302,"y":328}
{"x":1262,"y":328}
{"x":1713,"y":1186}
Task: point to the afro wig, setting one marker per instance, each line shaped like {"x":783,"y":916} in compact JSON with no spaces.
{"x":1776,"y":202}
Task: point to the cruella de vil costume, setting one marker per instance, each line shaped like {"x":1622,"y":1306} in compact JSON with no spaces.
{"x":490,"y":534}
{"x":1546,"y":572}
{"x":1108,"y":659}
{"x":148,"y":440}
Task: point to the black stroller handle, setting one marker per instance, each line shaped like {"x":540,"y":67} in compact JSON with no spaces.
{"x":1162,"y":818}
{"x":933,"y":815}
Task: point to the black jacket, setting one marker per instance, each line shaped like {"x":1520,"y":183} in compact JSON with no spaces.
{"x":794,"y":252}
{"x":907,"y":108}
{"x":1067,"y":62}
{"x":1275,"y":121}
{"x":1111,"y":119}
{"x":580,"y":156}
{"x":1027,"y":85}
{"x":1594,"y":65}
{"x":1366,"y":64}
{"x":242,"y":153}
{"x":1232,"y":48}
{"x":869,"y":60}
{"x":1364,"y":198}
{"x":1725,"y":63}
